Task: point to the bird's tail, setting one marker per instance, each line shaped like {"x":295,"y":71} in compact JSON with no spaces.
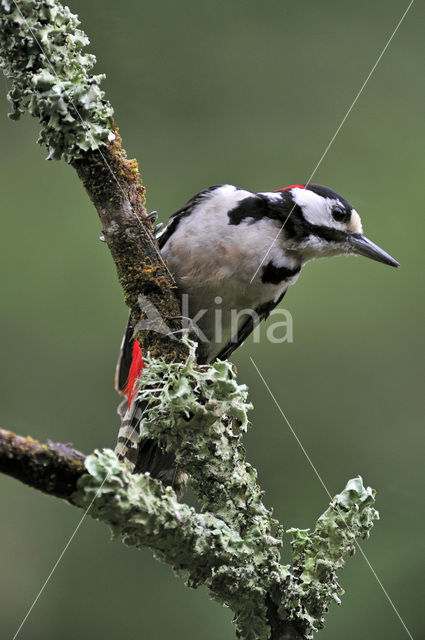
{"x":141,"y":455}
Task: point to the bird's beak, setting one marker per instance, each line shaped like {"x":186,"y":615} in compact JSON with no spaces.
{"x":365,"y":247}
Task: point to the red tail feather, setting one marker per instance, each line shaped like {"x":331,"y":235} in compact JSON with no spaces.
{"x":135,"y":372}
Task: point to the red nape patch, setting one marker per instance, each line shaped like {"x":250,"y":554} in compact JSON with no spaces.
{"x":135,"y":372}
{"x":292,"y":186}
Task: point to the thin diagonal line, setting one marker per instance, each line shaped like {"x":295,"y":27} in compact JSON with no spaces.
{"x":383,"y":589}
{"x":58,"y":560}
{"x":338,"y":129}
{"x":70,"y":539}
{"x":330,"y":496}
{"x":292,"y":430}
{"x":83,"y":122}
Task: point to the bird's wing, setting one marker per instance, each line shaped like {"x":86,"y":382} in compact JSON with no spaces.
{"x":263,"y":312}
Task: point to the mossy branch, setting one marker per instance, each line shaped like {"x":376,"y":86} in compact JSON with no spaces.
{"x":233,"y":547}
{"x":199,"y":413}
{"x":53,"y":468}
{"x":241,"y":569}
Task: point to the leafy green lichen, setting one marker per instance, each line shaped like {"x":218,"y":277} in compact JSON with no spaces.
{"x":319,"y":554}
{"x":42,"y":53}
{"x":199,"y":413}
{"x":199,"y":546}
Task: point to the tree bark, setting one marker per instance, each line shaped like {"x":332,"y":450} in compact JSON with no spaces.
{"x":113,"y":184}
{"x":53,"y":468}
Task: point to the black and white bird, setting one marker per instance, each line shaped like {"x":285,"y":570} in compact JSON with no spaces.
{"x":244,"y":249}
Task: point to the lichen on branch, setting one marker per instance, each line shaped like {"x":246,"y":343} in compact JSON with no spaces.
{"x":42,"y":52}
{"x":233,"y":546}
{"x":318,"y":555}
{"x":199,"y":413}
{"x":236,"y":567}
{"x":201,"y":547}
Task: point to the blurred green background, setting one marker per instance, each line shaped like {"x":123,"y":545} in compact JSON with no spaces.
{"x":248,"y":93}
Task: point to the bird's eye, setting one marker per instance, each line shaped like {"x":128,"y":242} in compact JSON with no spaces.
{"x":340,"y":215}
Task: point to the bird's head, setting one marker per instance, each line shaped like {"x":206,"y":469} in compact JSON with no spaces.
{"x":320,"y":222}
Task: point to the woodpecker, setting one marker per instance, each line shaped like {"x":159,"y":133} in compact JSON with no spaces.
{"x":243,"y":249}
